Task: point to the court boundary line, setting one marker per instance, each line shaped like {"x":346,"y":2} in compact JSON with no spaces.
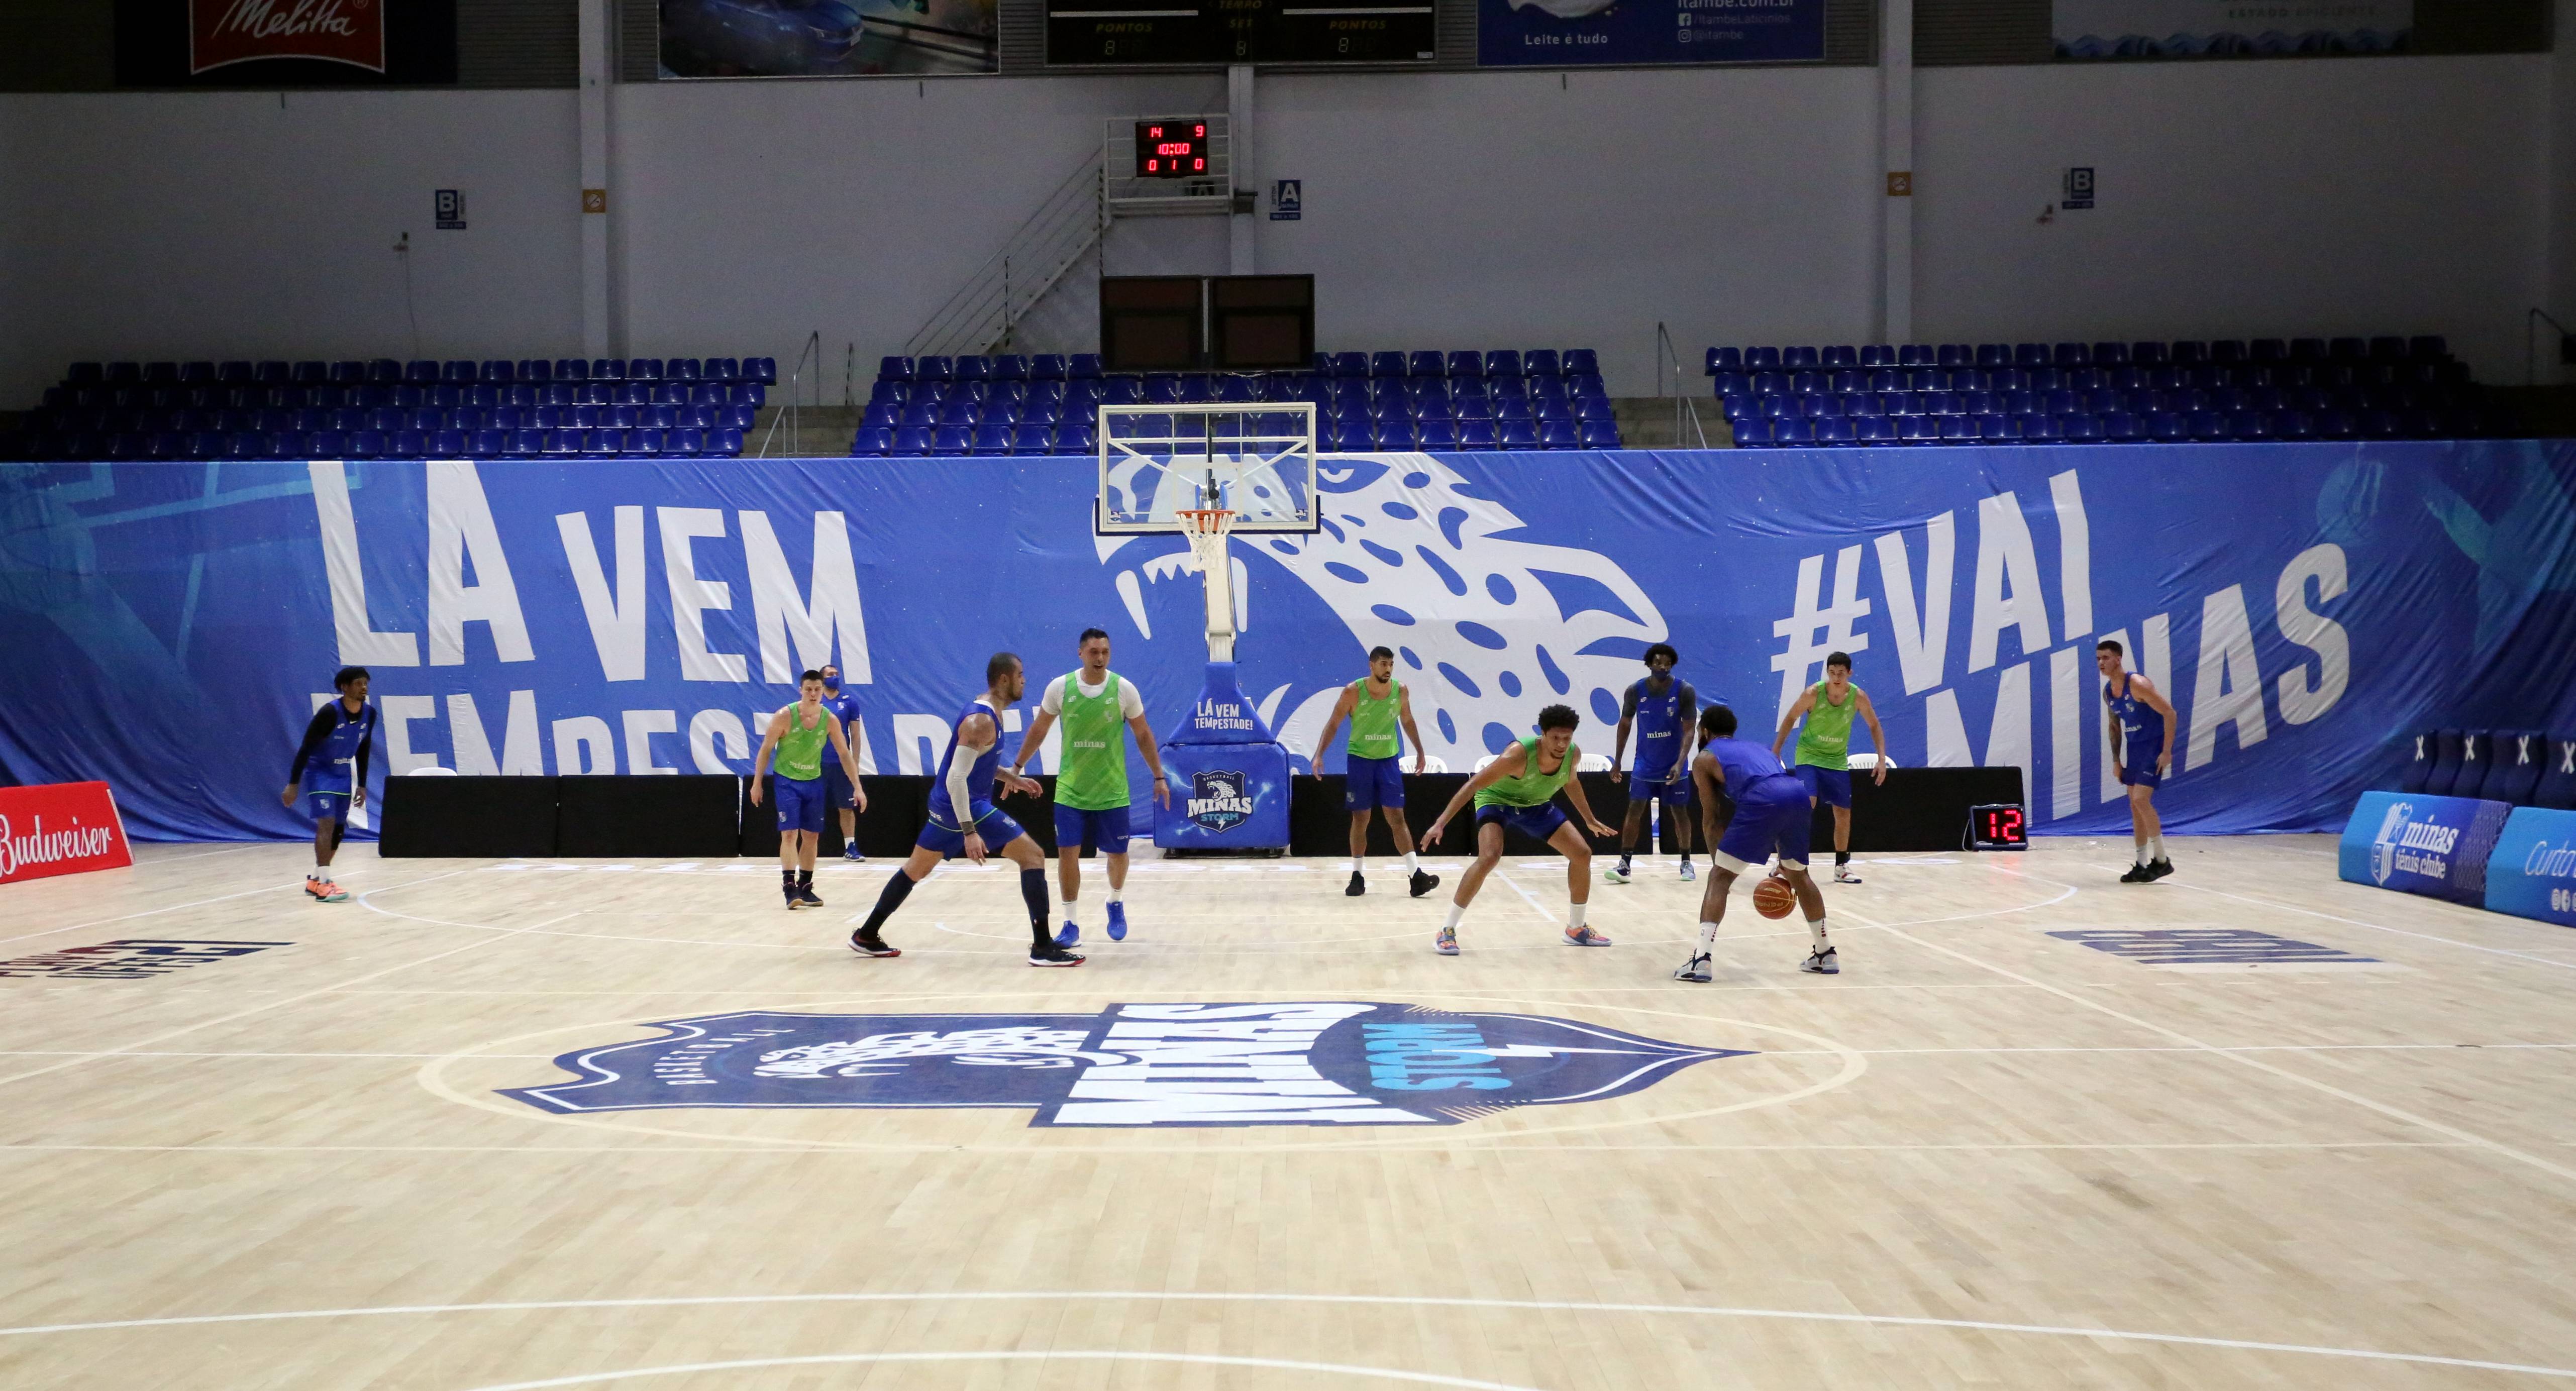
{"x":827,"y":1359}
{"x":2383,"y":927}
{"x":1381,"y":1301}
{"x":2395,"y":1113}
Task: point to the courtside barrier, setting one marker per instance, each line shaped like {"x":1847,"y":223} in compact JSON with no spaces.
{"x":60,"y":828}
{"x":2532,"y":872}
{"x":2417,"y":844}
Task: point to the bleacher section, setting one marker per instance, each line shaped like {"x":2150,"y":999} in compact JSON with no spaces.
{"x":2082,"y":393}
{"x":499,"y":409}
{"x":2525,"y":767}
{"x":1047,"y":404}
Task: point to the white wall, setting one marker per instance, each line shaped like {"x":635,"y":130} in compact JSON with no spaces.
{"x":1450,"y":210}
{"x":1546,"y":210}
{"x":243,"y":225}
{"x":2237,"y":199}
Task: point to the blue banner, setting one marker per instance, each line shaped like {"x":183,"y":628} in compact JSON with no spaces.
{"x":2419,"y":844}
{"x":2306,"y":608}
{"x":2533,"y":871}
{"x":1578,"y":33}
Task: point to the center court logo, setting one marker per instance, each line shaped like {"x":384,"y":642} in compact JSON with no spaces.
{"x":1217,"y":800}
{"x":1310,"y":1063}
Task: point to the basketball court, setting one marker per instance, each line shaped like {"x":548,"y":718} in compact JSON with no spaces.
{"x":2248,"y":1126}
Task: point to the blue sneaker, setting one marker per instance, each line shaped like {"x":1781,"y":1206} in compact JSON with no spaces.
{"x":1118,"y":922}
{"x":1070,"y":933}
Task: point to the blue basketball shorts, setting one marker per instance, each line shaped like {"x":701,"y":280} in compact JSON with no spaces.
{"x":996,"y":828}
{"x":800,"y":803}
{"x":837,"y":792}
{"x":1648,"y":785}
{"x":1538,"y":822}
{"x":2141,"y":777}
{"x":1372,"y":783}
{"x":1771,"y":815}
{"x":326,"y":798}
{"x":1076,"y":828}
{"x":1830,"y":786}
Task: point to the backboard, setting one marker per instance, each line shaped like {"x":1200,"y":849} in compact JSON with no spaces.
{"x":1257,"y":460}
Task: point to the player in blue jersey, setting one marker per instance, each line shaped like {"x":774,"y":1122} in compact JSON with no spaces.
{"x":331,"y":769}
{"x":1771,"y":813}
{"x":964,"y":821}
{"x":2140,"y":720}
{"x":839,"y":793}
{"x":1662,"y":709}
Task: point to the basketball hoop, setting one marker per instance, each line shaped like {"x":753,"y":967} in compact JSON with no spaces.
{"x":1206,"y":527}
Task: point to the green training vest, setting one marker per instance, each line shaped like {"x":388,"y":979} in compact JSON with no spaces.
{"x":1532,"y":788}
{"x":800,"y":749}
{"x":1373,"y":721}
{"x":1825,"y":742}
{"x":1091,"y":763}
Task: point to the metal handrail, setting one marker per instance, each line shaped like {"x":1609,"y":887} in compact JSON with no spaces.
{"x":985,"y":312}
{"x":1683,"y":408}
{"x":813,"y":351}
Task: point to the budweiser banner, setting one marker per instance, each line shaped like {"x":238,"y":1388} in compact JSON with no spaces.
{"x":285,"y":43}
{"x":60,"y":828}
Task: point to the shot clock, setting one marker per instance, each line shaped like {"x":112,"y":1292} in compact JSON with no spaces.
{"x":1998,"y":826}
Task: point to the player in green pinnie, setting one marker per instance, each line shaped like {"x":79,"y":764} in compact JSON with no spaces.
{"x":1091,"y":796}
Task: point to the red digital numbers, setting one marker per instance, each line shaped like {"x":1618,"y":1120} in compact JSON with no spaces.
{"x":1171,"y":149}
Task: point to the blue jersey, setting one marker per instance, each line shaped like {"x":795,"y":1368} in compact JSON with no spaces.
{"x":1748,"y":765}
{"x":845,"y":708}
{"x":1663,"y":725}
{"x":979,"y":779}
{"x":335,"y":744}
{"x":2142,"y":730}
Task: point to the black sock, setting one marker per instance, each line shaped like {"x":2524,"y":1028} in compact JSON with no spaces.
{"x":787,"y":879}
{"x":1033,"y":890}
{"x":804,"y":878}
{"x":895,"y":890}
{"x":1841,"y":858}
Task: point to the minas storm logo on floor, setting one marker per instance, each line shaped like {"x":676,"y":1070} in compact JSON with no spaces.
{"x":1307,"y":1063}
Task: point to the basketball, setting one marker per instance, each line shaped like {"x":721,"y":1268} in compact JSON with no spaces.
{"x":1773,"y":898}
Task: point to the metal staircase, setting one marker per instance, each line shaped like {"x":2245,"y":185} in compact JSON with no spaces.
{"x":983,"y":315}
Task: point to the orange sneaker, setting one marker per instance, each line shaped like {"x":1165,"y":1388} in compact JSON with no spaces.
{"x":324,"y":891}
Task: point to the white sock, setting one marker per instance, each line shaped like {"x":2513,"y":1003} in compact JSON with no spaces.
{"x":1359,"y":863}
{"x":319,"y":871}
{"x":1574,"y":914}
{"x":1411,"y":864}
{"x":2156,"y":845}
{"x":1455,"y":913}
{"x":1707,"y":938}
{"x":1817,"y":928}
{"x":1069,"y":914}
{"x":1114,"y":895}
{"x":2142,"y":854}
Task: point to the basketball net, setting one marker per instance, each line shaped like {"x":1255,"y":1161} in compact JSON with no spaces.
{"x":1206,"y":528}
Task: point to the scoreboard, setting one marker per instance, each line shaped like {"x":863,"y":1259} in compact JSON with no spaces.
{"x":1213,"y":33}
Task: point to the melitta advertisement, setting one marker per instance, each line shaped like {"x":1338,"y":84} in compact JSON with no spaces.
{"x":285,"y":43}
{"x":2437,"y":846}
{"x":2533,"y":871}
{"x":2306,"y":609}
{"x":827,"y":38}
{"x":1579,"y":33}
{"x":2228,"y":28}
{"x":67,"y":828}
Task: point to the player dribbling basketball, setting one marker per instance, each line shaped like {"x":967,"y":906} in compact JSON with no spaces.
{"x":1771,"y":813}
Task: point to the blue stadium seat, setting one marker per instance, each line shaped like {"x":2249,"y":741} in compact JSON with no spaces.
{"x":1516,"y":434}
{"x":2557,"y":785}
{"x":1991,"y":355}
{"x":1010,"y":367}
{"x":1753,"y":433}
{"x":1579,"y":362}
{"x":1956,"y":355}
{"x":972,"y":368}
{"x":1541,"y":362}
{"x":725,"y":443}
{"x":1839,"y":357}
{"x":1799,"y":358}
{"x":1425,"y":363}
{"x":646,"y":444}
{"x":605,"y":444}
{"x":1386,"y":365}
{"x":872,"y":441}
{"x":1559,"y":434}
{"x":1793,"y":432}
{"x":1598,"y":434}
{"x":1836,"y":429}
{"x":1437,"y":434}
{"x":1029,"y":439}
{"x":1762,"y":359}
{"x":913,"y":439}
{"x":1463,"y":364}
{"x":484,"y":444}
{"x":1503,"y":362}
{"x":955,"y":440}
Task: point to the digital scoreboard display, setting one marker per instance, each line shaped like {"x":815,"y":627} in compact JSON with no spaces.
{"x":1999,"y":826}
{"x":1173,"y":149}
{"x":1212,"y":33}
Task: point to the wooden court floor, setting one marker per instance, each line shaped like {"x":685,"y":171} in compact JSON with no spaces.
{"x":2326,"y":1137}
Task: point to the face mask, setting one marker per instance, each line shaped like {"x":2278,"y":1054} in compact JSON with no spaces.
{"x":831,"y":686}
